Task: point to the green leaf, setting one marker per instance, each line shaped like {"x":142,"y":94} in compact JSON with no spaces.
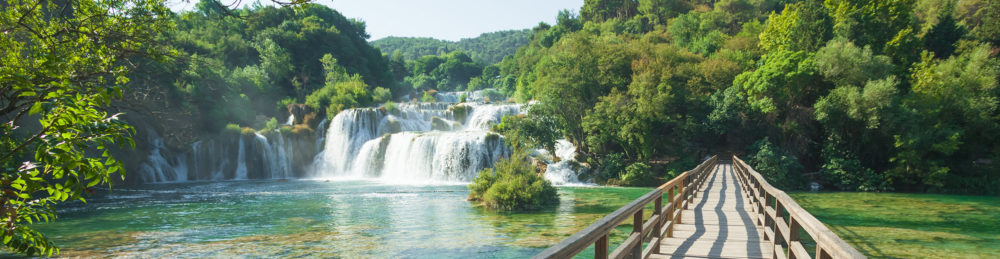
{"x":35,"y":108}
{"x":95,"y":181}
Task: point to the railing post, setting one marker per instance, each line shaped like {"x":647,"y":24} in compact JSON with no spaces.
{"x":637,"y":229}
{"x":670,"y":212}
{"x":657,"y":211}
{"x":821,"y":253}
{"x":779,"y":237}
{"x":601,"y":247}
{"x":793,"y":235}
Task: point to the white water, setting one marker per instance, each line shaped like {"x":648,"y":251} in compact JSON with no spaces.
{"x":417,"y":143}
{"x":567,"y":170}
{"x":218,"y":159}
{"x":158,"y":168}
{"x":241,"y":163}
{"x":414,"y":143}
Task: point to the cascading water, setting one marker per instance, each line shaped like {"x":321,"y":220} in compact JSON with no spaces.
{"x":567,"y":170}
{"x":408,"y":143}
{"x":225,"y":157}
{"x":413,"y":143}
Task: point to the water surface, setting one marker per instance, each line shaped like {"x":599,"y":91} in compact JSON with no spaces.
{"x":316,"y":218}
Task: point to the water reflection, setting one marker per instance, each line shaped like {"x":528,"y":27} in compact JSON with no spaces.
{"x":315,"y":218}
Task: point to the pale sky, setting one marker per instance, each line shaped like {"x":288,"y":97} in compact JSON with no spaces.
{"x":442,"y":19}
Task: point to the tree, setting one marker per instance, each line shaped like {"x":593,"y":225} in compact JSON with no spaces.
{"x":572,"y":79}
{"x":661,"y":10}
{"x":872,"y":23}
{"x":801,"y":26}
{"x":61,"y":64}
{"x":949,"y":119}
{"x":843,"y":63}
{"x":601,"y":10}
{"x":981,"y":18}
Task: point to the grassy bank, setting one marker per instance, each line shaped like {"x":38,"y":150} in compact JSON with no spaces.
{"x":894,"y":225}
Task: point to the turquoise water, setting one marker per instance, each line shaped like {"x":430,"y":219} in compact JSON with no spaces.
{"x":317,"y":218}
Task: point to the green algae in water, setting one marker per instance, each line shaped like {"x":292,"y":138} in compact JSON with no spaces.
{"x":314,"y":218}
{"x":896,"y":225}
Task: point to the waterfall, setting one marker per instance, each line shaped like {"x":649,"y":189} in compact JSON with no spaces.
{"x":485,"y":116}
{"x":408,"y":143}
{"x":430,"y":156}
{"x":276,"y":158}
{"x":567,"y":170}
{"x":291,"y":120}
{"x":236,"y":157}
{"x":241,"y":164}
{"x":414,"y":143}
{"x":158,"y":168}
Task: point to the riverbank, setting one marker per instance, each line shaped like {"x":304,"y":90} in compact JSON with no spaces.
{"x":899,"y":225}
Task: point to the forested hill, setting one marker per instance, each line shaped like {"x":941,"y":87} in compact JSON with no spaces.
{"x":243,"y":67}
{"x":488,"y":48}
{"x":856,"y":95}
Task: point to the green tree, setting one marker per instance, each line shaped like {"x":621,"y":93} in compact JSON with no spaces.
{"x":981,"y":18}
{"x":524,"y":132}
{"x":949,"y":119}
{"x":61,"y":64}
{"x":843,"y":63}
{"x":580,"y":70}
{"x":873,"y":23}
{"x":800,"y":26}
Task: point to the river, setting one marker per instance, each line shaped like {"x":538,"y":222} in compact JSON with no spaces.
{"x":317,"y":218}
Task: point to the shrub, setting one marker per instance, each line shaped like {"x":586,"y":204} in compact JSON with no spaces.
{"x":271,"y":125}
{"x":611,"y":165}
{"x":391,"y":107}
{"x":845,"y":171}
{"x":232,"y":128}
{"x":381,"y":94}
{"x":779,"y":168}
{"x":491,"y":94}
{"x":247,"y":131}
{"x":298,"y":130}
{"x":677,"y":167}
{"x":462,"y":98}
{"x":428,"y":98}
{"x":283,"y":104}
{"x":513,"y":184}
{"x":637,"y":174}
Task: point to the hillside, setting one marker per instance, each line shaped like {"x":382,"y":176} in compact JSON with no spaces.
{"x":487,"y":48}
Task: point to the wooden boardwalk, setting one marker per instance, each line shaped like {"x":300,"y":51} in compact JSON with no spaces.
{"x":718,"y":223}
{"x":719,"y":209}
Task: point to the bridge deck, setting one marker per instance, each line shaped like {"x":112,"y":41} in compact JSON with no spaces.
{"x":718,"y":224}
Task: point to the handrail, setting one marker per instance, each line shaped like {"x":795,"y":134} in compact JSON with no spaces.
{"x":770,"y":205}
{"x":685,"y":184}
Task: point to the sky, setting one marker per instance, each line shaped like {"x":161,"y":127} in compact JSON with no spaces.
{"x":441,"y":19}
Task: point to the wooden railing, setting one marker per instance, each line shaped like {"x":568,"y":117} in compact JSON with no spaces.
{"x":680,"y":191}
{"x":783,"y":220}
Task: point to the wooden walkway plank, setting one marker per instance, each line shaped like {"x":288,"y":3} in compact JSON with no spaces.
{"x":718,"y":223}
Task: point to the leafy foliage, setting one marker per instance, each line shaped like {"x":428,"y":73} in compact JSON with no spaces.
{"x":780,"y":169}
{"x":513,"y":184}
{"x":522,"y":132}
{"x":61,"y":65}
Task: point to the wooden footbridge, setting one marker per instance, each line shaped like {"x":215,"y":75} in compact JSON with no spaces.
{"x":720,"y":209}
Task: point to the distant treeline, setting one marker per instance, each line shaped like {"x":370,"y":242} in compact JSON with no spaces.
{"x":488,"y":48}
